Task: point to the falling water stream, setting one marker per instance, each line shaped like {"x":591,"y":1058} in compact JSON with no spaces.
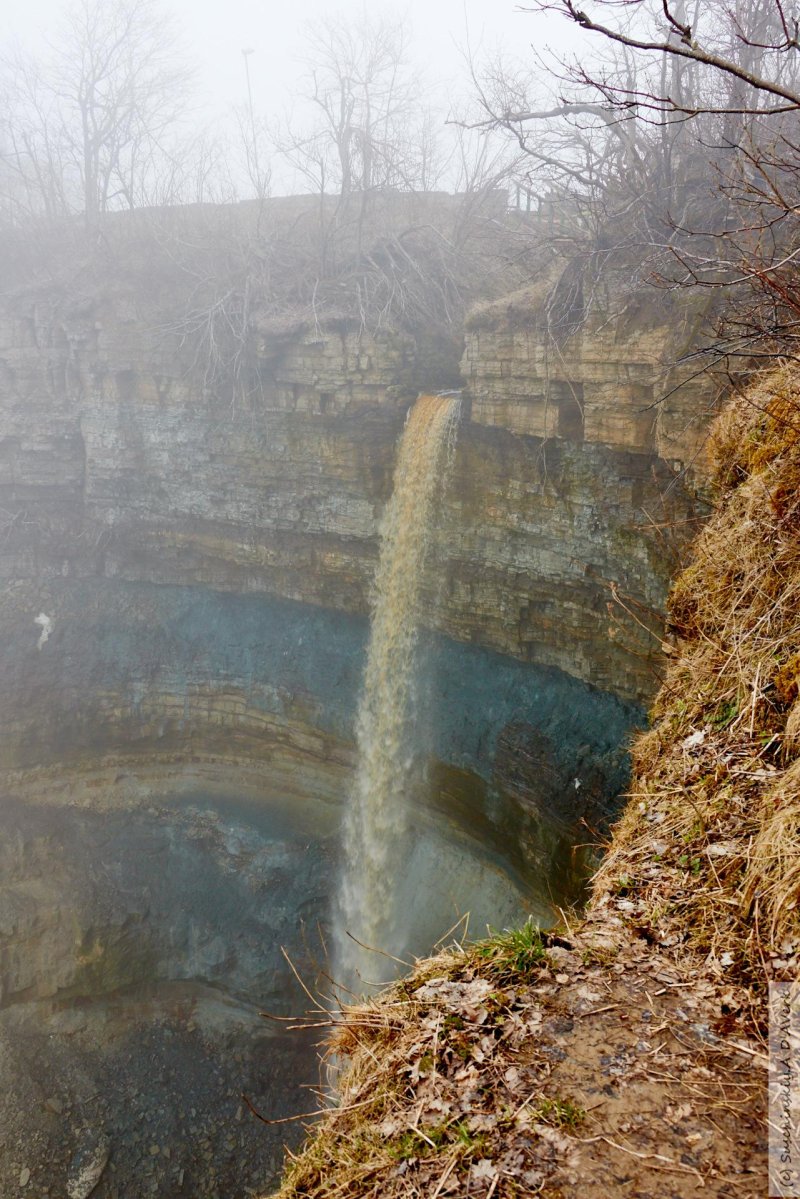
{"x":378,"y":811}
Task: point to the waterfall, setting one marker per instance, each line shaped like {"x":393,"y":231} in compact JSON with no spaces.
{"x":377,"y":815}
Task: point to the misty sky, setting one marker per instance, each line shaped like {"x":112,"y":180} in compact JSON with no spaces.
{"x":216,"y":31}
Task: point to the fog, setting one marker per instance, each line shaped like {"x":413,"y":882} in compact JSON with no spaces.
{"x":215,"y":33}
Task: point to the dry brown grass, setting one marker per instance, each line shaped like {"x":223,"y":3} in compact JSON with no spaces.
{"x":581,"y":1063}
{"x":707,"y":856}
{"x":408,"y":1097}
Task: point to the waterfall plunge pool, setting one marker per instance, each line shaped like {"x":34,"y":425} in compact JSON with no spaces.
{"x":141,"y":944}
{"x":173,"y":783}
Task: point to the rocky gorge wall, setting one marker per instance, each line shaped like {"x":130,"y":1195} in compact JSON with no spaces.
{"x":185,"y":575}
{"x":116,"y":465}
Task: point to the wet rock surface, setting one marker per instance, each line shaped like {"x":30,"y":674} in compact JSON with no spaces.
{"x":140,"y":941}
{"x":94,"y":902}
{"x":138,"y":947}
{"x":142,"y":1094}
{"x":116,"y":463}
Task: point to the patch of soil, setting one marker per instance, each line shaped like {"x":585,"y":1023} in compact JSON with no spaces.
{"x":603,"y":1069}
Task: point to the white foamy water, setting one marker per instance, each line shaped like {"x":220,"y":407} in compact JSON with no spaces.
{"x":377,"y":815}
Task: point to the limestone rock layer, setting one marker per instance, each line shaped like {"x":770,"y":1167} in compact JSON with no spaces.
{"x":187,"y":553}
{"x":117,"y":461}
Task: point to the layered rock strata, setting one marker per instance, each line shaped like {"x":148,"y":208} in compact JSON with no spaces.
{"x":115,"y":464}
{"x":600,"y":360}
{"x":174,"y":760}
{"x":186,"y":563}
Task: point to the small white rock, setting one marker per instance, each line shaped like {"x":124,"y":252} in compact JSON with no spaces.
{"x":87,"y":1165}
{"x":720,"y":849}
{"x":45,"y":623}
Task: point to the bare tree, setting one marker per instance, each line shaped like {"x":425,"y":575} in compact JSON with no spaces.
{"x":363,"y":91}
{"x":34,"y":168}
{"x":360,"y":128}
{"x":674,"y":132}
{"x":743,"y":55}
{"x":93,"y":125}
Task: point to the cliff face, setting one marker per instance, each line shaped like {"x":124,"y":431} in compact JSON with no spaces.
{"x":187,"y":567}
{"x":117,"y":465}
{"x":600,"y":366}
{"x":186,"y":557}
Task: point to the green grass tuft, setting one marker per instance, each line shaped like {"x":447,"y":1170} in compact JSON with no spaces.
{"x":512,"y":952}
{"x":562,"y":1113}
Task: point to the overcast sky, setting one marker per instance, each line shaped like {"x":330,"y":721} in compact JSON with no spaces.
{"x":216,"y":32}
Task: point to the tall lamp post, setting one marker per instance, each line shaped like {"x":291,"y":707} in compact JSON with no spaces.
{"x":246,"y":55}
